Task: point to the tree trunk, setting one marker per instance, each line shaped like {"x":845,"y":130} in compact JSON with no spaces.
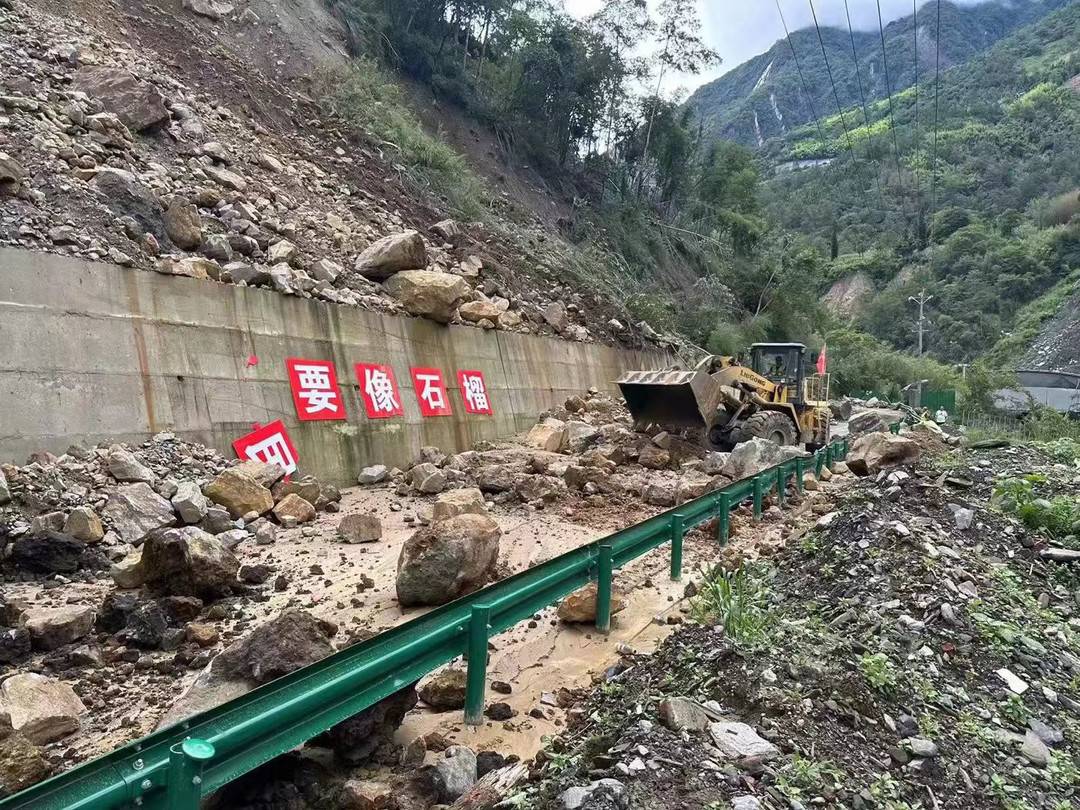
{"x":648,"y":131}
{"x":483,"y":50}
{"x":492,"y":789}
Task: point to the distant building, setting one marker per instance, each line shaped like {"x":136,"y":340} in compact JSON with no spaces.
{"x":1054,"y":389}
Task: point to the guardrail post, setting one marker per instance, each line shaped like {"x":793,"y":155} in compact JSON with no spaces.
{"x":603,"y":589}
{"x":828,"y":456}
{"x":678,"y":529}
{"x":799,"y":471}
{"x":759,"y":495}
{"x":476,"y":650}
{"x":186,"y":762}
{"x":781,"y":484}
{"x":723,"y":518}
{"x":819,"y":460}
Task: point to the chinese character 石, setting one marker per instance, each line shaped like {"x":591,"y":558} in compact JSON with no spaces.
{"x":380,"y":390}
{"x":432,"y":391}
{"x":273,"y":450}
{"x":316,"y":389}
{"x":475,"y":393}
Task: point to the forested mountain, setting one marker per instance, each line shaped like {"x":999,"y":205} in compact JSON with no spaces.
{"x":765,"y":97}
{"x":987,"y":227}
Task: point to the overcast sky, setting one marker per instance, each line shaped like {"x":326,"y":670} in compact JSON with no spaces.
{"x":741,"y":29}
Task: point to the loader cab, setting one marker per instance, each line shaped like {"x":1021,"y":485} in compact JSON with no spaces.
{"x":781,"y":363}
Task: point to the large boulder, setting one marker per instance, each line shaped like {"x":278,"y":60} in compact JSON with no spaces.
{"x":125,"y":195}
{"x":50,"y":553}
{"x":580,"y":606}
{"x":183,"y":224}
{"x":22,"y":763}
{"x":187,"y":562}
{"x":41,"y":709}
{"x":456,"y":771}
{"x":445,"y":691}
{"x":866,"y":422}
{"x":126,"y":468}
{"x":128,"y":572}
{"x":138,"y":104}
{"x":136,"y":510}
{"x":752,"y":457}
{"x":295,"y":509}
{"x":873,"y":452}
{"x":360,"y":528}
{"x":84,"y":525}
{"x":549,"y":435}
{"x":429,"y":294}
{"x":392,"y":254}
{"x":353,"y":741}
{"x":427,"y":478}
{"x":189,"y":502}
{"x":239,"y":491}
{"x":50,"y":628}
{"x":466,"y":501}
{"x":448,"y":559}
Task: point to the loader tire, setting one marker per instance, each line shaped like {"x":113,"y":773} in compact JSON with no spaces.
{"x":771,"y":425}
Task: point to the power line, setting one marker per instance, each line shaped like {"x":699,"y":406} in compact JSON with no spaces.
{"x":918,"y":191}
{"x":862,"y":102}
{"x":892,"y":117}
{"x":802,"y":77}
{"x":937,"y":91}
{"x":828,"y":69}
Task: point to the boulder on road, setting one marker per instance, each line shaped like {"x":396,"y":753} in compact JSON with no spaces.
{"x":456,"y":772}
{"x":549,"y":435}
{"x":467,"y":501}
{"x":372,"y":475}
{"x":188,"y":562}
{"x":427,"y":478}
{"x":360,"y":528}
{"x":136,"y":510}
{"x":580,"y":606}
{"x":447,"y":559}
{"x":138,"y":104}
{"x":240,"y":492}
{"x":41,"y":709}
{"x":866,"y":422}
{"x":392,"y":254}
{"x":429,"y":294}
{"x":752,"y":457}
{"x":445,"y":691}
{"x":873,"y":452}
{"x":189,"y":502}
{"x":51,"y":628}
{"x":294,"y":507}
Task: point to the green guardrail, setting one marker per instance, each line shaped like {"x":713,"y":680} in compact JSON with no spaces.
{"x":172,"y":769}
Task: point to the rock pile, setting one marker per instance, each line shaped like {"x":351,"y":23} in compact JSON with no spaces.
{"x":106,"y":153}
{"x":587,"y":451}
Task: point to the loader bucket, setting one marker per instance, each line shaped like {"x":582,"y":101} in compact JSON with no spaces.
{"x":674,"y":399}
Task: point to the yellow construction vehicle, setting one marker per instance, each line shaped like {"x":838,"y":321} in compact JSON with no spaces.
{"x":772,"y":398}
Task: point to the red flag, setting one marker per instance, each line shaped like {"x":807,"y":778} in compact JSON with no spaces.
{"x":821,"y":360}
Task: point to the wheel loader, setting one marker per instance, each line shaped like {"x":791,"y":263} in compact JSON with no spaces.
{"x":773,"y":398}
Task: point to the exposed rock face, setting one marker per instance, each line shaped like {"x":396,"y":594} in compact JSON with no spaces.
{"x":137,"y":104}
{"x":136,"y":510}
{"x":392,"y":254}
{"x":429,"y":294}
{"x":874,"y":452}
{"x":238,"y":491}
{"x":847,"y":295}
{"x":580,"y":606}
{"x":448,"y":559}
{"x":41,"y":709}
{"x":360,"y":528}
{"x":50,"y":628}
{"x":188,"y":562}
{"x":446,"y":691}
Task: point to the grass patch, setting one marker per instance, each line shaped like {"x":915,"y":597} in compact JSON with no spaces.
{"x":737,"y":601}
{"x":367,"y":98}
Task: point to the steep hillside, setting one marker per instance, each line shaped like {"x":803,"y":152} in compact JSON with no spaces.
{"x":764,"y":98}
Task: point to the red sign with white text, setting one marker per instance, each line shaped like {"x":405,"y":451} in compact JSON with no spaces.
{"x":270,"y":444}
{"x":378,"y":389}
{"x":315,"y":390}
{"x":430,"y":391}
{"x":474,"y":392}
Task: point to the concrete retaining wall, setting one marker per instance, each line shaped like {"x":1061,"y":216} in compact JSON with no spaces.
{"x":92,"y":352}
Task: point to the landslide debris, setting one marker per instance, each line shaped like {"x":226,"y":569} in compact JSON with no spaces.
{"x":913,"y":649}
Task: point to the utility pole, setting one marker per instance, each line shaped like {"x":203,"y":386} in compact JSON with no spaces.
{"x":920,"y":328}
